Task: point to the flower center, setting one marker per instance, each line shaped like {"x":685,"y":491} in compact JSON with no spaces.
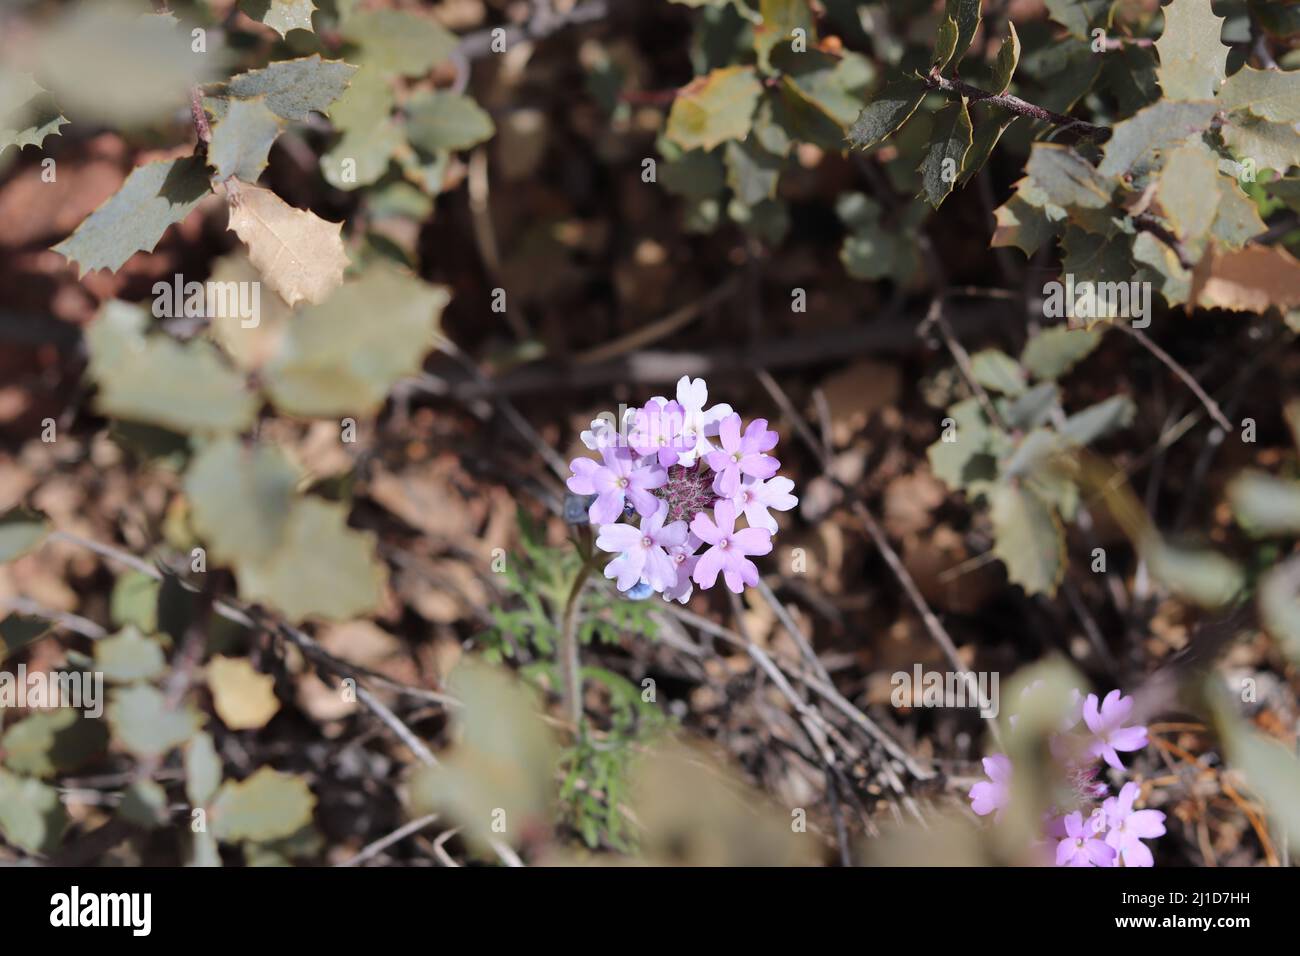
{"x":622,"y":482}
{"x":688,"y":491}
{"x":646,"y":542}
{"x":735,"y":456}
{"x":724,"y":543}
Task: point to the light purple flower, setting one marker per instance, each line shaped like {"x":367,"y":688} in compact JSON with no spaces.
{"x":1129,"y":827}
{"x":754,"y":497}
{"x":657,"y":432}
{"x":1081,"y":847}
{"x":685,"y":558}
{"x":603,"y":433}
{"x":642,"y":551}
{"x":1107,"y":726}
{"x":742,"y":454}
{"x":729,"y":548}
{"x":700,"y":423}
{"x":615,"y":481}
{"x":993,"y":795}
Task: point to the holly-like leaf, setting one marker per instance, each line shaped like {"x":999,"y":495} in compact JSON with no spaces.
{"x":886,"y":112}
{"x":1193,"y":60}
{"x":243,"y":698}
{"x":1265,"y":505}
{"x":242,"y":138}
{"x":446,"y":121}
{"x":780,"y":20}
{"x":397,"y":41}
{"x":950,"y":139}
{"x":154,"y":379}
{"x":1008,"y":58}
{"x":1028,"y":538}
{"x":1270,"y":145}
{"x":321,"y":568}
{"x":1054,"y":351}
{"x":141,"y":721}
{"x":32,"y":817}
{"x":291,"y":89}
{"x":299,"y":254}
{"x":267,"y":806}
{"x":966,"y":15}
{"x":988,"y":130}
{"x":945,"y":43}
{"x":714,"y":108}
{"x":27,"y":112}
{"x":21,"y":529}
{"x":1023,"y":225}
{"x":134,"y":218}
{"x":331,"y":362}
{"x":240,"y":499}
{"x":280,"y":15}
{"x":1153,"y":130}
{"x":129,"y":657}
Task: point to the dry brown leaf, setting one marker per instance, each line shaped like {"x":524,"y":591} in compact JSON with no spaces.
{"x":1250,"y":279}
{"x":299,"y":254}
{"x":856,"y":393}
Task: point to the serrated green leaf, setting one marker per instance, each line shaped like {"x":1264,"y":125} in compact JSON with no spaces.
{"x":446,"y":121}
{"x":1028,"y":539}
{"x":1265,"y":505}
{"x":331,"y":363}
{"x":958,"y":462}
{"x":950,"y":140}
{"x":1064,"y":185}
{"x":32,"y":817}
{"x":1188,"y":192}
{"x":1272,"y":95}
{"x":398,"y":41}
{"x":1022,"y":225}
{"x":945,"y":43}
{"x":154,"y":379}
{"x":47,"y":743}
{"x":886,"y":112}
{"x":267,"y":806}
{"x":27,"y":112}
{"x":804,"y":118}
{"x":966,"y":15}
{"x":242,"y":138}
{"x":1086,"y":426}
{"x":322,"y":568}
{"x":1193,"y":60}
{"x":280,"y":15}
{"x":21,"y":529}
{"x":714,"y":108}
{"x":1151,"y":131}
{"x":1008,"y":58}
{"x":134,"y":218}
{"x":1054,"y":351}
{"x":1271,"y":145}
{"x":998,"y":372}
{"x":291,"y":89}
{"x":1098,"y":260}
{"x":141,"y":722}
{"x":202,"y":769}
{"x":129,"y":657}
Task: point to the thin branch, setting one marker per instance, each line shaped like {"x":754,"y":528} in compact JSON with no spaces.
{"x":383,"y":843}
{"x":1014,"y":104}
{"x":1184,"y":376}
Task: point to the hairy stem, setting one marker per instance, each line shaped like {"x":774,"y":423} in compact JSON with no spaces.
{"x":1015,"y":105}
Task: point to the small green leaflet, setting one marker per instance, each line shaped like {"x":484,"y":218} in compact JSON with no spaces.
{"x":240,"y":499}
{"x":267,"y":806}
{"x":280,"y":15}
{"x":1028,"y":538}
{"x":950,"y":140}
{"x":966,"y":15}
{"x":132,"y":220}
{"x":141,"y":720}
{"x":1054,"y":351}
{"x":31,"y":815}
{"x":396,"y":41}
{"x":1152,"y":130}
{"x":1193,"y":59}
{"x":1008,"y":58}
{"x":945,"y":44}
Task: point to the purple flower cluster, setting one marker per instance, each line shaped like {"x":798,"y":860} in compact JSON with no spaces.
{"x":1086,"y":834}
{"x":688,"y":473}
